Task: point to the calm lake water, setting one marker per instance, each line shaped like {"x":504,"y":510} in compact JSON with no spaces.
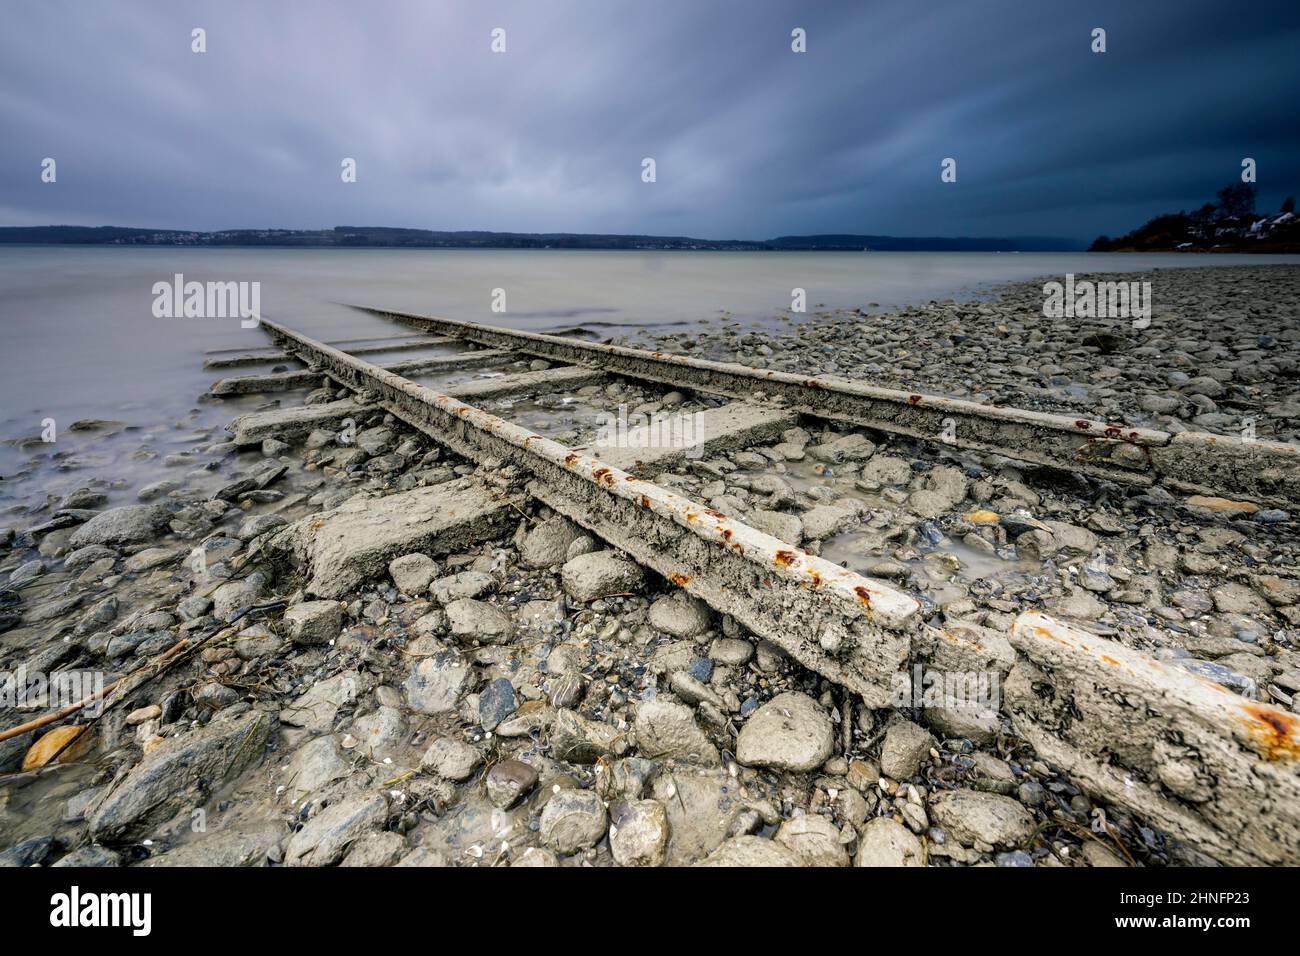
{"x":80,"y":339}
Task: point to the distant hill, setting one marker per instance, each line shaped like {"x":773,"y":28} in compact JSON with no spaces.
{"x":390,"y":238}
{"x":1230,"y":224}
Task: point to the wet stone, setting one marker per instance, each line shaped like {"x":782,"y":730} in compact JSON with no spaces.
{"x":572,"y":820}
{"x":451,"y":759}
{"x":885,"y":842}
{"x":508,"y":780}
{"x":496,"y":702}
{"x":601,"y":574}
{"x":314,"y":622}
{"x":789,"y":732}
{"x":638,"y":833}
{"x":906,"y":747}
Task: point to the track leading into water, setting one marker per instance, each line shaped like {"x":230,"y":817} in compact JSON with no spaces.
{"x":1196,"y":462}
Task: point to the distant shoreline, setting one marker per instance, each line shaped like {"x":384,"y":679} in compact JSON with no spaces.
{"x":368,"y":237}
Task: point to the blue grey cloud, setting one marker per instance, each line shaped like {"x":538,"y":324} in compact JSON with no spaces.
{"x":750,"y":139}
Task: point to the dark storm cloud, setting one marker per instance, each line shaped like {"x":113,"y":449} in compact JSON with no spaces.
{"x":750,"y":139}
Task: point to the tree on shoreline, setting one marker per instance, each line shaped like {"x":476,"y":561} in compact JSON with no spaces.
{"x":1228,"y":224}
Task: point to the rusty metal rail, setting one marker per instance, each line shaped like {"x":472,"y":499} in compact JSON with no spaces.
{"x":1194,"y":462}
{"x":1213,"y":769}
{"x":851,"y":629}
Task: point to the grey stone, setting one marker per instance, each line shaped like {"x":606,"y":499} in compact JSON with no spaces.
{"x":638,"y":833}
{"x":508,"y":780}
{"x":496,"y":702}
{"x":680,"y":615}
{"x":347,"y":545}
{"x":180,"y":773}
{"x":33,"y":852}
{"x":27,"y":571}
{"x":380,"y":733}
{"x":411,"y":573}
{"x":151,"y":558}
{"x":87,"y":857}
{"x":600,"y":574}
{"x":751,"y":851}
{"x":314,"y":622}
{"x":480,"y":621}
{"x":906,"y":747}
{"x":255,"y":642}
{"x":259,"y":525}
{"x":98,"y":615}
{"x":326,"y":837}
{"x":815,"y":839}
{"x":84,"y":557}
{"x":971,"y":816}
{"x":731,"y":651}
{"x":460,"y":586}
{"x":451,"y":759}
{"x":779,"y":524}
{"x":665,"y":729}
{"x":572,"y":820}
{"x":579,"y":740}
{"x":825,"y":521}
{"x":317,"y":708}
{"x":885,"y":842}
{"x":789,"y":732}
{"x":384,"y":848}
{"x":128,"y":524}
{"x":548,"y":543}
{"x":234,"y":596}
{"x":314,"y":765}
{"x":436,"y":684}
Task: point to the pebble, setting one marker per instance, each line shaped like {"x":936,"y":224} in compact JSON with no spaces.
{"x":508,"y":780}
{"x":815,"y":839}
{"x":638,"y":833}
{"x":885,"y":842}
{"x":906,"y":747}
{"x":496,"y":702}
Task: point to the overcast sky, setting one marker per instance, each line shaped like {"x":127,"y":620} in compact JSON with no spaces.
{"x":750,"y":139}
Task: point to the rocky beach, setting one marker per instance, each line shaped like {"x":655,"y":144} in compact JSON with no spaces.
{"x":367,"y":679}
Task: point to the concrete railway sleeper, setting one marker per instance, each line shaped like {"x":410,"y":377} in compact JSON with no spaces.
{"x":1213,"y":769}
